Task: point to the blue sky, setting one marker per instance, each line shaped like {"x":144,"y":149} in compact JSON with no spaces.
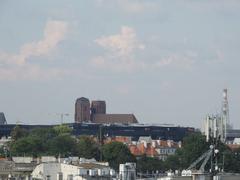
{"x":164,"y":61}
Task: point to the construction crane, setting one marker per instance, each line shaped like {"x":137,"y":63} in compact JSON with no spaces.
{"x":61,"y":115}
{"x":205,"y":157}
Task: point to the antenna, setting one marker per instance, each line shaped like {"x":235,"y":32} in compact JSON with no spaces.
{"x":225,"y":107}
{"x":225,"y":113}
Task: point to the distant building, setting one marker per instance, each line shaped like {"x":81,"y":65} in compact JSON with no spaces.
{"x":127,"y":171}
{"x":160,"y":149}
{"x":114,"y":118}
{"x":82,"y":110}
{"x":15,"y":170}
{"x":2,"y":118}
{"x":97,"y":113}
{"x":66,"y":171}
{"x":98,"y":107}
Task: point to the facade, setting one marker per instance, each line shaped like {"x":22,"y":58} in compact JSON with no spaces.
{"x":134,"y":131}
{"x":127,"y":171}
{"x":114,"y":119}
{"x":98,"y":107}
{"x":15,"y":170}
{"x":64,"y":171}
{"x":160,"y":149}
{"x":82,"y":110}
{"x":145,"y":145}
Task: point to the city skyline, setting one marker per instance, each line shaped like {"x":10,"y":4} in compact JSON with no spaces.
{"x":165,"y":62}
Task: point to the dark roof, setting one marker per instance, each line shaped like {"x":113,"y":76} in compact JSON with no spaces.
{"x":82,"y":99}
{"x":92,"y":166}
{"x":114,"y":118}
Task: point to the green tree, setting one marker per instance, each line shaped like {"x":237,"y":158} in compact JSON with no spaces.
{"x":88,"y":148}
{"x":18,"y":132}
{"x":30,"y":145}
{"x":117,"y":153}
{"x":64,"y":144}
{"x":62,"y":129}
{"x":194,"y":146}
{"x":232,"y":161}
{"x":172,"y":162}
{"x":44,"y":133}
{"x":149,"y":164}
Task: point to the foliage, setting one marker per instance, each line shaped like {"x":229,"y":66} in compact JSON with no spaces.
{"x":63,"y":145}
{"x":18,"y":132}
{"x":2,"y":152}
{"x":62,"y":129}
{"x":52,"y":141}
{"x":148,"y":164}
{"x":172,"y":162}
{"x":117,"y":153}
{"x":232,"y":161}
{"x":88,"y":148}
{"x":194,"y":146}
{"x":44,"y":141}
{"x":30,"y":145}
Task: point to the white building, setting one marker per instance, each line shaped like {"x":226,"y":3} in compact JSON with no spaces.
{"x":62,"y":171}
{"x":127,"y":171}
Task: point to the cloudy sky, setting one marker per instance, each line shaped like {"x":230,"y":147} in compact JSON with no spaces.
{"x":165,"y":61}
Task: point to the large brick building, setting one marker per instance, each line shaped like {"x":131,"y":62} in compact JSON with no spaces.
{"x":82,"y":110}
{"x":97,"y":113}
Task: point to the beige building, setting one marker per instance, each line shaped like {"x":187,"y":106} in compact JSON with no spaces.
{"x":63,"y":171}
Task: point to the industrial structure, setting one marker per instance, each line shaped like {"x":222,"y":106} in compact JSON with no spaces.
{"x":217,"y":125}
{"x":97,"y":113}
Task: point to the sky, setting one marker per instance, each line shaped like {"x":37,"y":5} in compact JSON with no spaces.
{"x":165,"y":61}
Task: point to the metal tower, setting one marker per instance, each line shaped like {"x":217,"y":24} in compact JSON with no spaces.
{"x":225,"y":115}
{"x":225,"y":107}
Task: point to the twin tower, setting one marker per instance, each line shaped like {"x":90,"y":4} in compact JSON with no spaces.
{"x":84,"y":112}
{"x":96,"y":113}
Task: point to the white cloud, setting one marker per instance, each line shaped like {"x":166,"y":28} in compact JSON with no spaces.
{"x":17,"y":66}
{"x":123,"y":43}
{"x":120,"y":49}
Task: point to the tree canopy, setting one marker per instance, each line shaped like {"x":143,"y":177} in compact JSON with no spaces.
{"x":52,"y":141}
{"x":117,"y":153}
